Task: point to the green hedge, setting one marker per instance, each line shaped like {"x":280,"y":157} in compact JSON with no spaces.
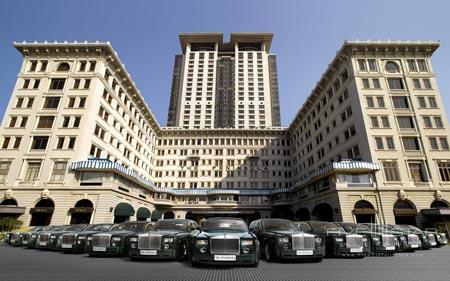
{"x":8,"y":224}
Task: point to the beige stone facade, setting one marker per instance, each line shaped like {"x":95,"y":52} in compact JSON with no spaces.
{"x":79,"y":144}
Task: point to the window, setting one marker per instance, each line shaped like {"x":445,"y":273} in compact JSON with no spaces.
{"x":427,"y":84}
{"x":412,"y":66}
{"x":17,"y":142}
{"x":379,"y":143}
{"x":51,"y":102}
{"x":422,"y":102}
{"x":19,"y":102}
{"x":444,"y":143}
{"x":376,"y":83}
{"x":76,"y":83}
{"x":374,"y":122}
{"x":71,"y":102}
{"x":390,"y":143}
{"x":427,"y":122}
{"x":87,"y":83}
{"x":432,"y":102}
{"x":417,"y":84}
{"x":385,"y":121}
{"x":370,"y":102}
{"x":4,"y":170}
{"x":372,"y":65}
{"x":392,"y":67}
{"x":366,"y":84}
{"x":362,"y":65}
{"x":23,"y":123}
{"x":82,"y":65}
{"x":444,"y":170}
{"x":64,"y":66}
{"x":82,"y":102}
{"x":45,"y":122}
{"x":39,"y":142}
{"x":76,"y":122}
{"x":380,"y":102}
{"x":405,"y":122}
{"x":411,"y":143}
{"x":422,"y":65}
{"x":57,"y":84}
{"x":71,"y":142}
{"x":396,"y":84}
{"x":43,"y":65}
{"x":6,"y":141}
{"x":92,"y":65}
{"x":30,"y":102}
{"x":60,"y":143}
{"x":438,"y":122}
{"x":390,"y":169}
{"x":12,"y":122}
{"x":26,"y":84}
{"x":59,"y":170}
{"x":400,"y":102}
{"x":33,"y":65}
{"x":32,"y":171}
{"x":417,"y":171}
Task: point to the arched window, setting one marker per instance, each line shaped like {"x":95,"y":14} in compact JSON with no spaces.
{"x":9,"y":202}
{"x":439,"y":204}
{"x":64,"y":66}
{"x":392,"y":67}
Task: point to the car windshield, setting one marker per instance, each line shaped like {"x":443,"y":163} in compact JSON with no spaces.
{"x":98,"y":227}
{"x":303,"y":226}
{"x":56,"y":228}
{"x":321,"y":226}
{"x":75,"y":227}
{"x":171,"y":225}
{"x":397,"y":228}
{"x":225,"y":225}
{"x":279,"y":225}
{"x":136,"y":227}
{"x":413,"y":228}
{"x":353,"y":227}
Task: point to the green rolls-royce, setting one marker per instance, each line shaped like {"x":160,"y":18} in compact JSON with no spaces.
{"x":282,"y":239}
{"x":407,"y":242}
{"x":168,"y":239}
{"x":115,"y":241}
{"x":427,"y":241}
{"x":75,"y":241}
{"x":30,"y":239}
{"x":380,"y":243}
{"x":338,"y":242}
{"x":51,"y":240}
{"x":440,"y":237}
{"x":225,"y":241}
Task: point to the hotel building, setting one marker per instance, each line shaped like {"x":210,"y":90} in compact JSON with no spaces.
{"x":370,"y":144}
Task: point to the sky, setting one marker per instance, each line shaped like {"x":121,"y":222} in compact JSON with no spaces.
{"x":307,"y":35}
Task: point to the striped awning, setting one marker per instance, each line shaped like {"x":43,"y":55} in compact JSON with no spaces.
{"x":96,"y":164}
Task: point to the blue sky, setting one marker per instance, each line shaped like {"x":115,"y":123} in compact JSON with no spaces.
{"x":145,"y":35}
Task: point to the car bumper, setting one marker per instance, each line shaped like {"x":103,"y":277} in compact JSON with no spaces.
{"x":107,"y":251}
{"x":301,"y":254}
{"x":211,"y":260}
{"x":383,"y":250}
{"x":348,"y":252}
{"x":152,"y":254}
{"x":76,"y":248}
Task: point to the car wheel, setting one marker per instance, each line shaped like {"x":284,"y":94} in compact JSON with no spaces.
{"x":182,"y":253}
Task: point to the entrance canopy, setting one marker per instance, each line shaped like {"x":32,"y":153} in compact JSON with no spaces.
{"x":123,"y":209}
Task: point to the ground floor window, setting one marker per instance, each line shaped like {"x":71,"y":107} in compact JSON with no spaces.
{"x":444,"y":170}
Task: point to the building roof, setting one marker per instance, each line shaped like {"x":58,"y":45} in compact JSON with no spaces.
{"x":101,"y":48}
{"x":217,"y":37}
{"x":348,"y":47}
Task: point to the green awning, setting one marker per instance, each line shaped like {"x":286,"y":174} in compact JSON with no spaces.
{"x":143,"y":213}
{"x":123,"y":209}
{"x":156,"y":215}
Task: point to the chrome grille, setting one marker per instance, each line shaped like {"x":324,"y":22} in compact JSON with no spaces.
{"x":26,"y":236}
{"x":100,"y":241}
{"x":443,"y":237}
{"x":301,"y":242}
{"x":226,"y":246}
{"x":149,"y":242}
{"x":354,"y":241}
{"x":68,"y":238}
{"x":44,"y":237}
{"x":431,"y":238}
{"x":413,"y":239}
{"x":13,"y":237}
{"x":388,"y":240}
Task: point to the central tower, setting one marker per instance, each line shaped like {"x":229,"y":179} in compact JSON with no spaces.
{"x":219,"y":84}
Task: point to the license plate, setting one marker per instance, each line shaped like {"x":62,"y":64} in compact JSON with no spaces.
{"x":390,"y":248}
{"x":415,"y":246}
{"x":42,"y":243}
{"x":66,"y":246}
{"x":224,"y":257}
{"x":25,"y":242}
{"x":305,"y":253}
{"x":99,"y":249}
{"x":433,"y":243}
{"x":356,"y":250}
{"x":149,"y":252}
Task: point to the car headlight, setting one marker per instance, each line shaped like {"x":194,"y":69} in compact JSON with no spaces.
{"x":364,"y":239}
{"x":338,"y":239}
{"x":283,"y":240}
{"x":402,"y":238}
{"x":89,"y":238}
{"x":133,"y":239}
{"x":168,"y":240}
{"x":81,"y":237}
{"x":375,"y":238}
{"x":33,"y":236}
{"x":202,"y":242}
{"x":246,"y":243}
{"x":318,"y":240}
{"x":53,"y":237}
{"x":116,"y":239}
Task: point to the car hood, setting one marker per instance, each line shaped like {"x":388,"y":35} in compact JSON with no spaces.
{"x":225,"y":234}
{"x":164,"y":232}
{"x":115,"y":233}
{"x":287,"y":233}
